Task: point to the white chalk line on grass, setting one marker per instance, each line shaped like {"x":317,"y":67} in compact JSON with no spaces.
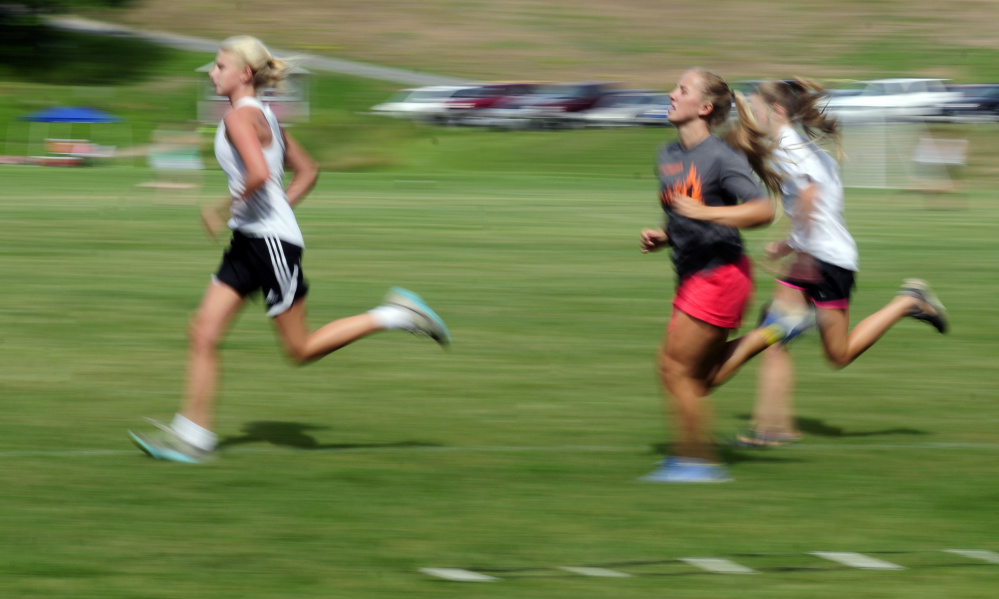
{"x":504,"y":449}
{"x":684,"y":566}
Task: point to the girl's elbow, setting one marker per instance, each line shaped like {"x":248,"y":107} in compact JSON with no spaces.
{"x":311,"y":174}
{"x":254,"y":183}
{"x":767,"y":214}
{"x":306,"y":170}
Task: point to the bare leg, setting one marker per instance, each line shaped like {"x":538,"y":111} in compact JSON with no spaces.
{"x":690,"y":348}
{"x":304,"y":346}
{"x":843,"y":346}
{"x":738,"y":352}
{"x":742,"y":349}
{"x":211,"y":321}
{"x":774,"y":413}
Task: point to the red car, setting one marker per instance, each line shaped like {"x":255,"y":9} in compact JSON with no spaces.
{"x":552,"y":106}
{"x":462,"y":106}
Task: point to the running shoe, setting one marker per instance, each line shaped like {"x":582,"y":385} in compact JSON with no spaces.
{"x":687,"y":470}
{"x":920,"y":290}
{"x":783,"y":325}
{"x":164,"y":444}
{"x":425,"y":321}
{"x":752,"y":438}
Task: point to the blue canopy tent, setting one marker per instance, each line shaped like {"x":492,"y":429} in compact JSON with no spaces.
{"x":66,"y":114}
{"x":68,"y":150}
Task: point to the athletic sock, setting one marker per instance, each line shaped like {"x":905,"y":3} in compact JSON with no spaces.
{"x":392,"y":317}
{"x":194,"y":434}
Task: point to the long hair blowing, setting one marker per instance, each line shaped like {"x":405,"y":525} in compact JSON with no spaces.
{"x":803,"y":101}
{"x":744,"y":135}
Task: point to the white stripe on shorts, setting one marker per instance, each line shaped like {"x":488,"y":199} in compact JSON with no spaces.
{"x":287,"y":280}
{"x":278,"y":261}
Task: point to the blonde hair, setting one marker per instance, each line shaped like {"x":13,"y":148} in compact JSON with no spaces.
{"x":744,"y":135}
{"x":268,"y":71}
{"x":802,"y":101}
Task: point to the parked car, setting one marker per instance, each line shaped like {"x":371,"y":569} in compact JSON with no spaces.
{"x":621,"y":109}
{"x":656,"y":116}
{"x":467,"y":105}
{"x":422,"y":103}
{"x":891,"y":100}
{"x":977,"y":102}
{"x":548,"y":105}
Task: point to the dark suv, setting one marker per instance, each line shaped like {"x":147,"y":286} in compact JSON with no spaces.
{"x":979,"y":101}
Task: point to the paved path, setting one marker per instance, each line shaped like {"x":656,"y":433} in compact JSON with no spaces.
{"x":319,"y":63}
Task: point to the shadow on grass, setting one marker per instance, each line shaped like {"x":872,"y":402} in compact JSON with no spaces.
{"x":730,"y":454}
{"x":814,"y":426}
{"x":295,"y":435}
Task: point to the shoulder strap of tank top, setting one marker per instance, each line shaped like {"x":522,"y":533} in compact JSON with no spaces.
{"x":248,"y":101}
{"x":271,"y":119}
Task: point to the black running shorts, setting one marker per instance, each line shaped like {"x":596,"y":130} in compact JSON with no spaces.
{"x":832,"y":288}
{"x":264,"y":264}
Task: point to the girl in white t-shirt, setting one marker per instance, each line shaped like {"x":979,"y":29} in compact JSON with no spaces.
{"x":822,"y":254}
{"x":265,"y":254}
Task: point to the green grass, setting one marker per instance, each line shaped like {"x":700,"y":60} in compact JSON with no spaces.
{"x":518,"y":449}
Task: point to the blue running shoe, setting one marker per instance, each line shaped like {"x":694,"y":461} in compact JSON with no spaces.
{"x":687,"y":470}
{"x":164,"y":445}
{"x":783,"y":324}
{"x":425,"y":321}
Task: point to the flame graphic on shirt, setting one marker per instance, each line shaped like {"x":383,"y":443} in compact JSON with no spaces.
{"x":688,"y":186}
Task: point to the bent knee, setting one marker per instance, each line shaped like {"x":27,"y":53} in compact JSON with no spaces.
{"x":298,"y":357}
{"x":298,"y":353}
{"x":839,"y":361}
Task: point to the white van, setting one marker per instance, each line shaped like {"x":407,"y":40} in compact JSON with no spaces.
{"x":891,"y":100}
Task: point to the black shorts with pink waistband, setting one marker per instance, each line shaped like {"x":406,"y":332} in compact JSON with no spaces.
{"x":830,"y":290}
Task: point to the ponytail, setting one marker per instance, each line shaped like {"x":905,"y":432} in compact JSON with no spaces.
{"x":267,"y":70}
{"x":746,"y":136}
{"x":272,"y":74}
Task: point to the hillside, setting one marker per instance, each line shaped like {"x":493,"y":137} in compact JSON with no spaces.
{"x":638,"y":42}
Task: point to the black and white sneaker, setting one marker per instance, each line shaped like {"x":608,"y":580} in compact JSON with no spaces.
{"x":929,"y":309}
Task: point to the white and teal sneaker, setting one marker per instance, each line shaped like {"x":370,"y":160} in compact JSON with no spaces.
{"x":687,"y":470}
{"x":164,"y":444}
{"x":425,"y":321}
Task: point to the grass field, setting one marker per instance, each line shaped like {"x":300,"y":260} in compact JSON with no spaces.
{"x":516,"y":452}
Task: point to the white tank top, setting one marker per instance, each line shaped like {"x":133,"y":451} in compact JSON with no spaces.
{"x":267,"y":212}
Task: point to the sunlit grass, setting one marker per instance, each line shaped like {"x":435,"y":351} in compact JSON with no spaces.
{"x":518,"y":449}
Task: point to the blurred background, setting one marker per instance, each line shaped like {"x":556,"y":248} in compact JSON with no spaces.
{"x":507,"y":64}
